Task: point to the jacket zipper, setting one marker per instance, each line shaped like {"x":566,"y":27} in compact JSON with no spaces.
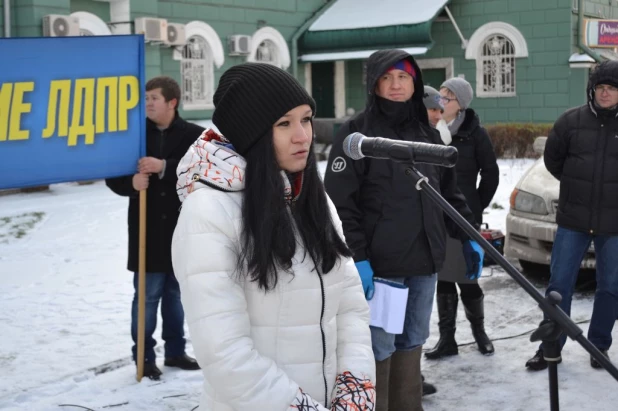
{"x":594,"y":180}
{"x":323,"y":336}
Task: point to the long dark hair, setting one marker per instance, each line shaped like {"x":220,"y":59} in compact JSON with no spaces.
{"x":268,"y":239}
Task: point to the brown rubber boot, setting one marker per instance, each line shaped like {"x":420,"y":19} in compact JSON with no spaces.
{"x":383,"y":370}
{"x":406,"y":383}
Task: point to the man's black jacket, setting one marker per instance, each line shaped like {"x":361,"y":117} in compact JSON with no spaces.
{"x":385,"y":218}
{"x":163,"y":205}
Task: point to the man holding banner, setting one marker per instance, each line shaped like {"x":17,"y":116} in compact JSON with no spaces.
{"x":168,"y":138}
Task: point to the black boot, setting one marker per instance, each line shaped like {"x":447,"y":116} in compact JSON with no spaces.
{"x":475,"y":313}
{"x":184,"y":362}
{"x":428,"y":388}
{"x":594,"y":363}
{"x":538,"y":362}
{"x":152,"y":371}
{"x":447,"y":312}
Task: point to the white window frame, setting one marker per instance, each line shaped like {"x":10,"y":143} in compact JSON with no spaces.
{"x":446,"y":63}
{"x":91,"y":25}
{"x":272,"y":35}
{"x":474,"y":51}
{"x":216,"y":58}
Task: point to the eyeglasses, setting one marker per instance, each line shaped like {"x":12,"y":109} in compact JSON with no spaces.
{"x":601,"y":88}
{"x":446,"y":100}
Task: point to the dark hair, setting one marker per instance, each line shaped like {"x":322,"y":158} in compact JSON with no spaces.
{"x":268,"y":240}
{"x":169,"y":88}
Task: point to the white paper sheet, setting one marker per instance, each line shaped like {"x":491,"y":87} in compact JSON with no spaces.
{"x":388,"y":305}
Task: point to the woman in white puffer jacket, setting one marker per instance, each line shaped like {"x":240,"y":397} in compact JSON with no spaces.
{"x":275,"y":307}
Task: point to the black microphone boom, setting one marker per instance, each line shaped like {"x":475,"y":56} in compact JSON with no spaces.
{"x":357,"y":146}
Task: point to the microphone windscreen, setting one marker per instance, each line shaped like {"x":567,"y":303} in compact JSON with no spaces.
{"x":351,"y":146}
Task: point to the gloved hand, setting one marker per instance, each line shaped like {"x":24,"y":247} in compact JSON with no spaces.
{"x":473,"y":253}
{"x":366,"y":274}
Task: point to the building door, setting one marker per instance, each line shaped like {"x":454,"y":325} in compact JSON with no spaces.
{"x":434,"y":77}
{"x":323,"y":88}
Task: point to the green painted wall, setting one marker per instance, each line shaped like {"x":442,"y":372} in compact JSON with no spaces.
{"x":601,"y":9}
{"x":98,"y":8}
{"x":355,"y":89}
{"x":546,"y":86}
{"x":542,"y":79}
{"x":226,"y":17}
{"x":27,"y":15}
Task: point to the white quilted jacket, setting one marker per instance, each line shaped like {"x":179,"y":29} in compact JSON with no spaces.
{"x":298,"y":347}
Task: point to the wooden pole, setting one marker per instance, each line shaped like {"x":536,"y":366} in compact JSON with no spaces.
{"x":141,"y":300}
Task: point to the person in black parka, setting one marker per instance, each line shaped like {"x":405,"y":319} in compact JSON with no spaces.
{"x":582,"y":152}
{"x":476,"y":158}
{"x":395,"y":230}
{"x":168,"y":137}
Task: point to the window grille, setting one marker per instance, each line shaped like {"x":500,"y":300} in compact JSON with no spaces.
{"x":197,"y":72}
{"x":498,"y":67}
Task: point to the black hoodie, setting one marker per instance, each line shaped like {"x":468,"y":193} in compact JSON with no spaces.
{"x":385,"y":218}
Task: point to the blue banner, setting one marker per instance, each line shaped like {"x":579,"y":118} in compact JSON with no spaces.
{"x":71,"y":108}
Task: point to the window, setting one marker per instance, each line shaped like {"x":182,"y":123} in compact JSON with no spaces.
{"x":496,"y":46}
{"x":269,"y":46}
{"x":498,"y":65}
{"x":267,"y":52}
{"x":197,"y":73}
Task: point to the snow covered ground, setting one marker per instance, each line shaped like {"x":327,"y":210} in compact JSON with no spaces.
{"x":64,"y":316}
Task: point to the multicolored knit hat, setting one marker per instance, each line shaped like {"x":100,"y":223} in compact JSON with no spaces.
{"x":404,"y":65}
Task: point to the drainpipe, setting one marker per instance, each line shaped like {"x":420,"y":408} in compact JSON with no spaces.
{"x":581,"y":33}
{"x":464,"y":42}
{"x":7,"y":18}
{"x":301,"y":30}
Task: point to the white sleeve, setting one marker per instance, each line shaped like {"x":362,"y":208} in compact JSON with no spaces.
{"x":216,"y":311}
{"x":355,"y":360}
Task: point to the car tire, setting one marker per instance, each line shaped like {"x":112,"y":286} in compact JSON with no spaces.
{"x":531,"y":267}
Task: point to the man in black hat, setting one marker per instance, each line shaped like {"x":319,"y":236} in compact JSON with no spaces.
{"x":582,"y":152}
{"x":393,"y":229}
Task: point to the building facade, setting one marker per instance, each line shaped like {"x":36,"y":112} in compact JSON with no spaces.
{"x":524,"y":58}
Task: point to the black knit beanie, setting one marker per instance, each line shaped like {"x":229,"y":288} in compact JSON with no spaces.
{"x":249,"y":99}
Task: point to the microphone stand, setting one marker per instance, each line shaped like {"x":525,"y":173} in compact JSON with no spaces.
{"x":557,"y":321}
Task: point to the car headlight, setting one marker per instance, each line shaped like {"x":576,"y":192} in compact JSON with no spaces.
{"x":528,"y":203}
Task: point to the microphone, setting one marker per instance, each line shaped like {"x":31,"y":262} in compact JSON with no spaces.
{"x":357,"y":146}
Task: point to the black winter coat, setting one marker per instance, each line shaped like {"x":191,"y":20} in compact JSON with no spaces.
{"x":476,"y":155}
{"x":582,"y":152}
{"x":385,"y":218}
{"x":163,"y":205}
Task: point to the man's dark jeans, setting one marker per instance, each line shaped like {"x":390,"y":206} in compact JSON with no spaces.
{"x":569,"y":249}
{"x":164,"y":287}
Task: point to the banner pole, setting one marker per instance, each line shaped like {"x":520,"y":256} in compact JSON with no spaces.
{"x":141,"y":301}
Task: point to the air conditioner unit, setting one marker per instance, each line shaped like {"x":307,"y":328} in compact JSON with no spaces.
{"x":153,"y":29}
{"x":176,"y":34}
{"x":239,"y":45}
{"x":55,"y":25}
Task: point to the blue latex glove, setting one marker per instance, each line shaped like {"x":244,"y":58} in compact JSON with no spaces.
{"x":366,"y":274}
{"x":474,"y":254}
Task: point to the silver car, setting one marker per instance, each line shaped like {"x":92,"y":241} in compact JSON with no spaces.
{"x":531,"y":221}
